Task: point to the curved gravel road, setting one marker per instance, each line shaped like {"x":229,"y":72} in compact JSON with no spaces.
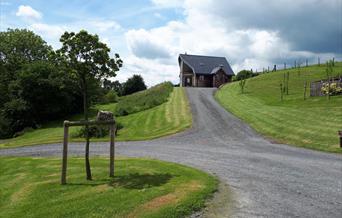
{"x":267,"y":180}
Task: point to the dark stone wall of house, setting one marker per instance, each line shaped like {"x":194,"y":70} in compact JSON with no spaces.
{"x":215,"y":80}
{"x":220,"y":78}
{"x":204,"y":80}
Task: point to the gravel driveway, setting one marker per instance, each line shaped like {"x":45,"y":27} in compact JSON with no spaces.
{"x":267,"y":180}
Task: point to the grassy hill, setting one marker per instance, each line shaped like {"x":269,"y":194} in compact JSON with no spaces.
{"x":167,"y":118}
{"x":140,"y":188}
{"x":312,"y":123}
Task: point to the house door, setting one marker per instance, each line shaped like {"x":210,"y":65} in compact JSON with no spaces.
{"x":188,"y":81}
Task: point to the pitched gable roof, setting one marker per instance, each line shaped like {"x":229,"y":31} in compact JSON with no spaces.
{"x":206,"y":64}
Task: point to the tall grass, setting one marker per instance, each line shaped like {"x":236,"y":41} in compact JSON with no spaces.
{"x":143,"y":100}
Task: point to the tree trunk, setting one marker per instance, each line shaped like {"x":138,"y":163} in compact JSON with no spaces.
{"x":85,"y":110}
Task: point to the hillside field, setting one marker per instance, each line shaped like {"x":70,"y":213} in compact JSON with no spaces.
{"x":170,"y":117}
{"x":311,"y":123}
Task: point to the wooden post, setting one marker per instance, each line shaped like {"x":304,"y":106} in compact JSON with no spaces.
{"x":65,"y":154}
{"x":340,"y":134}
{"x":284,"y":66}
{"x":306,"y":62}
{"x":319,"y":62}
{"x":304,"y":90}
{"x":328,"y":88}
{"x":112,"y":150}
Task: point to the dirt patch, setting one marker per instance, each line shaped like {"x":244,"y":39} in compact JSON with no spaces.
{"x":52,"y":175}
{"x":161,"y":201}
{"x":220,"y":206}
{"x":169,"y":199}
{"x":102,"y":188}
{"x":21,"y":194}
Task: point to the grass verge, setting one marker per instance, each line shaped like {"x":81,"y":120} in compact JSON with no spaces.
{"x":141,"y":188}
{"x":311,"y":123}
{"x":168,"y":118}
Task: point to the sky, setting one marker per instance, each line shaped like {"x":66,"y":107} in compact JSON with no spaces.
{"x":150,"y":34}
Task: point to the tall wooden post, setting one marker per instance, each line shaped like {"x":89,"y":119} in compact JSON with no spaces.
{"x":65,"y":153}
{"x":305,"y":84}
{"x":112,"y":150}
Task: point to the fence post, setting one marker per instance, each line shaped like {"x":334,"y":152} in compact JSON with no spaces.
{"x":65,"y":153}
{"x":112,"y":150}
{"x":305,"y":89}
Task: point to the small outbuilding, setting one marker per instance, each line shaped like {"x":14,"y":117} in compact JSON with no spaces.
{"x":204,"y":71}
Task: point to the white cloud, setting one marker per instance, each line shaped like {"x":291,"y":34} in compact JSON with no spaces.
{"x":250,"y":34}
{"x":210,"y":29}
{"x":48,"y":31}
{"x":168,"y":3}
{"x":107,"y":25}
{"x":27,"y":11}
{"x":152,"y":71}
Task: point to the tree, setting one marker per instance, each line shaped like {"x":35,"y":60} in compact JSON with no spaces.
{"x":115,"y":86}
{"x":134,"y":84}
{"x":17,"y":48}
{"x":88,"y":60}
{"x":244,"y":74}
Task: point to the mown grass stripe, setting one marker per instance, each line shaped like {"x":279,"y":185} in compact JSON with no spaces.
{"x":312,"y":123}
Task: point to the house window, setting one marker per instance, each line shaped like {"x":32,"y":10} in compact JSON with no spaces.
{"x":201,"y":77}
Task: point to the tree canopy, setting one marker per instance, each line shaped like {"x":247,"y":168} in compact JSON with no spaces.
{"x":134,"y":84}
{"x":33,"y":86}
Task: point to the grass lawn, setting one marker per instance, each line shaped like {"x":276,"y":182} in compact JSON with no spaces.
{"x":312,"y":123}
{"x":30,"y":187}
{"x":165,"y":119}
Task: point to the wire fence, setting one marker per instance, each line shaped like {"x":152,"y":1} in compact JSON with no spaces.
{"x":298,"y":63}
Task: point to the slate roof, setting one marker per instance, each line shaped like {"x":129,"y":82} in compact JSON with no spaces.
{"x":206,"y":64}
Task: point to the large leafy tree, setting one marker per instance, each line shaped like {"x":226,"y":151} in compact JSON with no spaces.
{"x":18,"y":47}
{"x":134,"y":84}
{"x":88,"y":60}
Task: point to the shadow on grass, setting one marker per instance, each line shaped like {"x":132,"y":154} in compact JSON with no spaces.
{"x":140,"y":181}
{"x":131,"y":181}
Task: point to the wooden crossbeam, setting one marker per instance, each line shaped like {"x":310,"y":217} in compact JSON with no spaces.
{"x":67,"y":124}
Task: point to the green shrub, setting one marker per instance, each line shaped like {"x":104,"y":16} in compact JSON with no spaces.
{"x":134,"y":84}
{"x":96,"y":131}
{"x":143,"y":100}
{"x":333,"y":89}
{"x":110,"y":97}
{"x":244,"y":74}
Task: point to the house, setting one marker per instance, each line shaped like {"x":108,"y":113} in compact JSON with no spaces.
{"x":204,"y":71}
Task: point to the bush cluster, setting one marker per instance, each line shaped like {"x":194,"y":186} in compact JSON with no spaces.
{"x":34,"y":87}
{"x":333,"y":89}
{"x":244,"y":74}
{"x":143,"y":100}
{"x":96,"y":131}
